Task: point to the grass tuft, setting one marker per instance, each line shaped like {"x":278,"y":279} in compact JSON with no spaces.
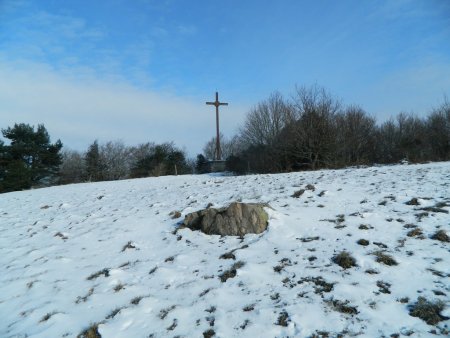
{"x":90,"y":332}
{"x":231,"y":272}
{"x":428,"y":311}
{"x":344,"y":260}
{"x":381,"y":257}
{"x":441,"y":235}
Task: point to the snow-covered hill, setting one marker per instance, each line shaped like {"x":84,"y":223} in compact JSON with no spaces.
{"x":106,"y":256}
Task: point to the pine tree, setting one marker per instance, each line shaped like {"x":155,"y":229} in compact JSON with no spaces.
{"x":30,"y":159}
{"x":94,"y":167}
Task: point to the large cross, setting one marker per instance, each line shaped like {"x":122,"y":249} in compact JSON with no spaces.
{"x":218,"y":153}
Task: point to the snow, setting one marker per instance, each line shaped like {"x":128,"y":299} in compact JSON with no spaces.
{"x":108,"y":254}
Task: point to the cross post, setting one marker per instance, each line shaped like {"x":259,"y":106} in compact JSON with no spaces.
{"x":218,"y":152}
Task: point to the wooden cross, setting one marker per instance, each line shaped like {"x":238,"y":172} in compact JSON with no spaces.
{"x":218,"y":153}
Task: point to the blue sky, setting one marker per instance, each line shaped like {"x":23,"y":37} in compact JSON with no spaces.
{"x":141,"y":70}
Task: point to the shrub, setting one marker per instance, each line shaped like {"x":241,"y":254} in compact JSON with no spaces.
{"x":344,"y":260}
{"x":428,"y":311}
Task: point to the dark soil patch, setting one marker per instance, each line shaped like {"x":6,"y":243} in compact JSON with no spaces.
{"x":344,"y":260}
{"x":372,"y":272}
{"x":428,"y":311}
{"x":310,"y":187}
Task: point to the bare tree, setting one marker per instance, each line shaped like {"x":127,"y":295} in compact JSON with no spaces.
{"x":228,"y":147}
{"x":72,"y":169}
{"x":355,"y":137}
{"x":116,"y":158}
{"x":438,"y":127}
{"x":311,"y":139}
{"x":266,"y":120}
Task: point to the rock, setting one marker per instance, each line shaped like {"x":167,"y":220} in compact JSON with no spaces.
{"x":237,"y":219}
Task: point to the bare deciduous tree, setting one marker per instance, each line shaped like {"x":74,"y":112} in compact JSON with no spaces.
{"x":312,"y":138}
{"x":266,"y":120}
{"x":72,"y":169}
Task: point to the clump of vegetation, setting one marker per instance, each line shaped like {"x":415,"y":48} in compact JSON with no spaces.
{"x":209,"y":333}
{"x":47,"y":317}
{"x":129,"y":245}
{"x":231,"y":273}
{"x":164,"y":312}
{"x":136,"y":300}
{"x":384,"y":287}
{"x":381,"y":257}
{"x":90,"y":332}
{"x":310,"y":187}
{"x":365,"y":227}
{"x":104,"y":272}
{"x":363,"y":242}
{"x":228,"y":255}
{"x":298,"y":193}
{"x":342,"y":307}
{"x":283,"y":319}
{"x":428,"y":311}
{"x":320,"y":284}
{"x":283,"y":263}
{"x":442,"y":236}
{"x":248,"y":308}
{"x":416,"y":232}
{"x":413,"y":201}
{"x":113,"y":313}
{"x":119,"y":287}
{"x":175,"y":214}
{"x":344,"y":260}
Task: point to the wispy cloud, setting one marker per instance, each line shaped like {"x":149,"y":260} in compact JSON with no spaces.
{"x":80,"y":110}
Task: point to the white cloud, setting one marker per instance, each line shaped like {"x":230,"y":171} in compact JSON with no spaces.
{"x":80,"y":109}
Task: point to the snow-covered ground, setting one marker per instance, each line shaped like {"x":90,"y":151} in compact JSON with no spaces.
{"x":106,"y":254}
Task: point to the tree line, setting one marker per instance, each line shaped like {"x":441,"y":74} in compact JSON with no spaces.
{"x":30,"y":160}
{"x":309,"y":131}
{"x":314,"y":130}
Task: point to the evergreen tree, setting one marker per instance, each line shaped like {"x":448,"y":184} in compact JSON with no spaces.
{"x":94,"y":166}
{"x":201,"y":164}
{"x":30,"y":159}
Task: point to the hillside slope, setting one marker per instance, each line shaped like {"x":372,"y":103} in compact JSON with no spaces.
{"x":106,"y":254}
